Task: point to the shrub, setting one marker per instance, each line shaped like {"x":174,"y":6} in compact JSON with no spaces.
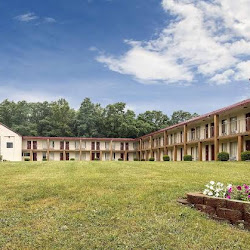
{"x":187,"y":158}
{"x":44,"y":159}
{"x":151,"y":159}
{"x":96,"y":159}
{"x":72,"y":159}
{"x":120,"y":159}
{"x":223,"y":156}
{"x":166,"y":158}
{"x":1,"y":157}
{"x":245,"y":156}
{"x":26,"y":159}
{"x":136,"y":159}
{"x":142,"y":159}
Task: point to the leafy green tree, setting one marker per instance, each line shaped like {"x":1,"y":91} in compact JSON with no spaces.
{"x":89,"y":120}
{"x":181,"y":116}
{"x":155,"y":120}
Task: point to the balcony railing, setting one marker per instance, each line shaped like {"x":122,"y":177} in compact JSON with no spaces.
{"x":234,"y":127}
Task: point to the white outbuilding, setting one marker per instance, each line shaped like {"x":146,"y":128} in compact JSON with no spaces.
{"x":10,"y":144}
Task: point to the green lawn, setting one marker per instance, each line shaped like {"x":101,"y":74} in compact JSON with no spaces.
{"x":110,"y":205}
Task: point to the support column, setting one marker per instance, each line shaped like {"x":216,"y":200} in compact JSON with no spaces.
{"x":111,"y":150}
{"x":158,"y":154}
{"x":31,"y":155}
{"x":216,"y":135}
{"x":140,"y":148}
{"x":199,"y":151}
{"x":240,"y":146}
{"x":151,"y":146}
{"x":100,"y":155}
{"x":165,"y":141}
{"x":48,"y":149}
{"x":80,"y":153}
{"x":175,"y":153}
{"x":185,"y":139}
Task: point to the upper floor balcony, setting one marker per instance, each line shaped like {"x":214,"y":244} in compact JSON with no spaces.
{"x":234,"y":127}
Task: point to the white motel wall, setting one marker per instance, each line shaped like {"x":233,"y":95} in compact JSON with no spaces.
{"x":203,"y":137}
{"x":10,"y":144}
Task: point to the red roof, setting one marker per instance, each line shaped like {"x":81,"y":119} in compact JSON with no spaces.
{"x":76,"y":138}
{"x":216,"y":112}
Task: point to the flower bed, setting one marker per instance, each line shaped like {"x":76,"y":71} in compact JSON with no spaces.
{"x":229,"y":203}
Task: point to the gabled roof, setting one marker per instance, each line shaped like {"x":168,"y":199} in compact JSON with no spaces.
{"x":10,"y":129}
{"x":216,"y":112}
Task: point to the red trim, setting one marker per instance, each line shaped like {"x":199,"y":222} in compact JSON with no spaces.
{"x":216,"y":112}
{"x":76,"y":138}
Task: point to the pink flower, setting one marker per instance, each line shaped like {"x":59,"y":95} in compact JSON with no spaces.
{"x":246,"y":187}
{"x":229,"y":190}
{"x":229,"y":197}
{"x":249,"y":196}
{"x":239,"y":187}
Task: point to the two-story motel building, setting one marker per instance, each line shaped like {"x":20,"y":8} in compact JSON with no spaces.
{"x":226,"y":129}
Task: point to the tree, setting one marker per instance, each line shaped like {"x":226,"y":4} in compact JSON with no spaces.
{"x":61,"y":119}
{"x":155,"y":120}
{"x":181,"y":116}
{"x":89,"y":119}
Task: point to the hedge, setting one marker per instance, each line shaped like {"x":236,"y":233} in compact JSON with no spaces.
{"x":187,"y":158}
{"x":223,"y":156}
{"x":245,"y":156}
{"x":151,"y":159}
{"x":166,"y":158}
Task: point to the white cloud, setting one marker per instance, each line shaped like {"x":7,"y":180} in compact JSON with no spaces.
{"x":203,"y":38}
{"x":223,"y":77}
{"x":16,"y":94}
{"x":243,"y":71}
{"x":26,"y":17}
{"x":49,"y":20}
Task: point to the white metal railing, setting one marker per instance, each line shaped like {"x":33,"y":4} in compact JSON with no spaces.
{"x":234,"y":127}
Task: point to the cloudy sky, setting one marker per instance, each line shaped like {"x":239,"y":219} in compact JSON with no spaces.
{"x":152,"y":54}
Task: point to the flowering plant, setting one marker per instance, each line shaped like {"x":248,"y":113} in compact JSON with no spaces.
{"x":230,"y":192}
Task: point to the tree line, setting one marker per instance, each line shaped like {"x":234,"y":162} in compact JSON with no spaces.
{"x":57,"y":118}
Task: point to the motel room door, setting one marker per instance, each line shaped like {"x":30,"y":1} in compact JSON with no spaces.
{"x":248,"y":122}
{"x":212,"y":152}
{"x":207,"y":152}
{"x":247,"y":145}
{"x":34,"y":156}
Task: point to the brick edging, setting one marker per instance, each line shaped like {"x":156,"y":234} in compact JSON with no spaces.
{"x":234,"y":211}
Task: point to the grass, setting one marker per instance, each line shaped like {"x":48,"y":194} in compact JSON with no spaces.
{"x":113,"y":205}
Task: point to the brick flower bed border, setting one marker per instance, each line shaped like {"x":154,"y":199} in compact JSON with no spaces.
{"x":234,"y":211}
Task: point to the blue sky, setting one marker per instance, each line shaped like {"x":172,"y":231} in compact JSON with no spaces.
{"x":152,"y":54}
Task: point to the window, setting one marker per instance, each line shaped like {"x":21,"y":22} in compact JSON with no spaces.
{"x":233,"y":125}
{"x":198,"y":133}
{"x":233,"y":150}
{"x":26,"y":154}
{"x":9,"y":145}
{"x":223,"y":127}
{"x":224,"y":147}
{"x":44,"y":156}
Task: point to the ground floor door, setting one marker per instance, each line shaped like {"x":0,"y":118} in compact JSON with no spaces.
{"x":247,"y":145}
{"x":34,"y":156}
{"x":61,"y":156}
{"x":207,"y":152}
{"x":181,"y":154}
{"x":92,"y":156}
{"x":212,"y":152}
{"x":248,"y":122}
{"x":67,"y":156}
